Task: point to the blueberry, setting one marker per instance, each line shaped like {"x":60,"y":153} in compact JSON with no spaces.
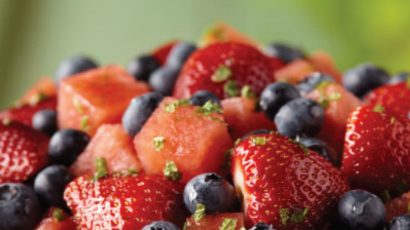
{"x":262,"y":226}
{"x":211,"y":190}
{"x":138,"y":112}
{"x":73,"y":65}
{"x":400,"y":223}
{"x":160,"y":225}
{"x":400,"y":77}
{"x":201,"y":97}
{"x":50,"y":183}
{"x":19,"y":207}
{"x":320,"y":147}
{"x":163,"y":79}
{"x":142,"y":66}
{"x":275,"y":95}
{"x":312,"y":81}
{"x":45,"y":121}
{"x":299,"y":117}
{"x":179,"y":54}
{"x":359,"y":209}
{"x":66,"y":144}
{"x":284,"y":52}
{"x":363,"y":78}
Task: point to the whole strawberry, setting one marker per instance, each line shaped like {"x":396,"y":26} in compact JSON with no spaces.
{"x":23,"y":151}
{"x":284,"y":184}
{"x":223,"y":68}
{"x":123,"y":202}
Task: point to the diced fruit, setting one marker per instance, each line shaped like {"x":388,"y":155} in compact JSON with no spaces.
{"x":284,"y":52}
{"x":57,"y":219}
{"x":112,"y":144}
{"x":23,"y":152}
{"x":142,"y":66}
{"x":222,"y":32}
{"x":310,"y":83}
{"x":242,"y":116}
{"x":322,"y":62}
{"x":223,"y":68}
{"x":398,"y":206}
{"x":231,"y":221}
{"x":74,"y":65}
{"x":179,"y":54}
{"x":337,"y":103}
{"x":194,"y":138}
{"x":96,"y":97}
{"x":124,"y":202}
{"x":377,"y":150}
{"x":283,"y":184}
{"x":161,"y":53}
{"x":45,"y":86}
{"x":295,"y":71}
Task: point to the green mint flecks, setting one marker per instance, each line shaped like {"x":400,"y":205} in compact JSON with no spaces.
{"x":173,"y":106}
{"x":385,"y":196}
{"x":199,"y":212}
{"x":221,"y":74}
{"x":231,"y":88}
{"x":284,"y":215}
{"x":84,"y":123}
{"x":325,"y":101}
{"x":171,"y":171}
{"x":247,"y":92}
{"x":293,"y":216}
{"x":158,"y":142}
{"x":58,"y":214}
{"x":378,"y":108}
{"x":322,"y":85}
{"x":37,"y":98}
{"x":78,"y":106}
{"x":209,"y":107}
{"x":228,"y":224}
{"x":101,"y":169}
{"x":258,"y":141}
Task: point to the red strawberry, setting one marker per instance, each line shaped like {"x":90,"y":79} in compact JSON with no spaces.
{"x":377,"y":150}
{"x":161,"y":53}
{"x":56,"y":219}
{"x":284,"y":184}
{"x":226,"y":65}
{"x":395,"y":98}
{"x":23,"y":152}
{"x":24,"y":113}
{"x":45,"y":86}
{"x":398,"y":206}
{"x":123,"y":202}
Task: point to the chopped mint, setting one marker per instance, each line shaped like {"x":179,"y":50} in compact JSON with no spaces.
{"x":228,"y":224}
{"x":324,"y":102}
{"x":210,"y":107}
{"x":228,"y":158}
{"x":247,"y":92}
{"x":171,"y":171}
{"x":221,"y":74}
{"x":378,"y":108}
{"x":322,"y":85}
{"x":101,"y":169}
{"x":58,"y":214}
{"x":37,"y":98}
{"x":231,"y":88}
{"x":199,"y":212}
{"x":335,"y":96}
{"x":132,"y":171}
{"x":258,"y":141}
{"x":385,"y":195}
{"x":78,"y":106}
{"x":284,"y":215}
{"x":84,"y":123}
{"x":173,"y":106}
{"x":299,"y":215}
{"x":158,"y":142}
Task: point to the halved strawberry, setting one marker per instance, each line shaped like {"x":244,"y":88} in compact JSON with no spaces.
{"x":114,"y":145}
{"x":23,"y":152}
{"x":45,"y":86}
{"x":377,"y":150}
{"x":324,"y":63}
{"x":161,"y":53}
{"x":123,"y":202}
{"x":231,"y":221}
{"x":56,"y":219}
{"x":242,"y":116}
{"x":295,"y":71}
{"x":223,"y":68}
{"x":193,"y":138}
{"x":283,"y":184}
{"x":398,"y":206}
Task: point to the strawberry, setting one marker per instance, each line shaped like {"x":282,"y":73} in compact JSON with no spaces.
{"x":161,"y":53}
{"x":23,"y":152}
{"x":377,"y":150}
{"x":24,"y":113}
{"x":398,"y":206}
{"x":284,"y":184}
{"x":123,"y":202}
{"x":222,"y":68}
{"x":56,"y":219}
{"x":45,"y":86}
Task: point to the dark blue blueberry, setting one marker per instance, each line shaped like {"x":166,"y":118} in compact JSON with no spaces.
{"x":138,"y":112}
{"x":50,"y":183}
{"x":66,"y":144}
{"x":400,"y":223}
{"x":141,"y":67}
{"x":211,"y":190}
{"x":160,"y":225}
{"x":363,"y":78}
{"x":400,"y":77}
{"x":163,"y":80}
{"x":73,"y":65}
{"x":179,"y":54}
{"x":262,"y":226}
{"x":320,"y":147}
{"x":359,"y":209}
{"x":19,"y":207}
{"x":284,"y":52}
{"x":299,"y":117}
{"x":201,"y":97}
{"x":45,"y":121}
{"x":310,"y":83}
{"x":275,"y":96}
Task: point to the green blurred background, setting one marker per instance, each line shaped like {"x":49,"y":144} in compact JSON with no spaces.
{"x":36,"y":35}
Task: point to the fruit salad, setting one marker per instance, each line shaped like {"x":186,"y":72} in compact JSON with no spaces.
{"x":224,"y":134}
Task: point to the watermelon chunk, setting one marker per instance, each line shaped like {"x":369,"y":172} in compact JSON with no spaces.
{"x":50,"y":221}
{"x":217,"y":221}
{"x":295,"y":71}
{"x":95,"y":97}
{"x":45,"y":87}
{"x":242,"y":117}
{"x":325,"y":64}
{"x":178,"y":132}
{"x":114,"y":145}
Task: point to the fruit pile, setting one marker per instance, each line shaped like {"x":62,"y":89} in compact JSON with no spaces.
{"x":223,"y":135}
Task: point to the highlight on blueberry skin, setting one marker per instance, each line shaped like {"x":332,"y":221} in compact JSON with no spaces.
{"x":142,"y":66}
{"x":163,"y":80}
{"x":45,"y":121}
{"x":200,"y":97}
{"x":160,"y":225}
{"x":308,"y":84}
{"x":74,"y":65}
